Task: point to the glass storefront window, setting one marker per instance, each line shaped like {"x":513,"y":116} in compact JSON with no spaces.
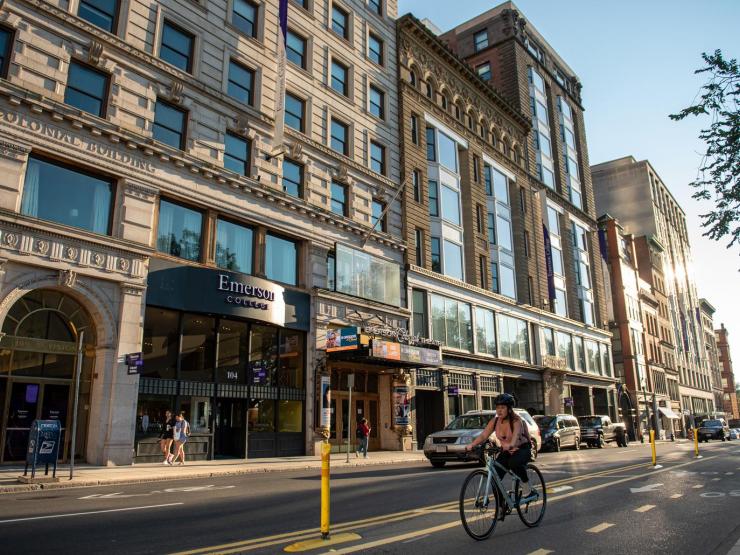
{"x":549,"y":339}
{"x":198,"y":348}
{"x":592,"y":353}
{"x":451,"y":323}
{"x":233,"y":341}
{"x":580,"y":354}
{"x":281,"y":259}
{"x":513,"y":338}
{"x":290,"y":416}
{"x":150,"y":413}
{"x":565,"y":348}
{"x":485,"y":332}
{"x":362,"y":275}
{"x":290,"y":373}
{"x":234,"y":245}
{"x":161,"y":343}
{"x":263,"y":355}
{"x":261,"y":415}
{"x":59,"y":194}
{"x":179,"y":231}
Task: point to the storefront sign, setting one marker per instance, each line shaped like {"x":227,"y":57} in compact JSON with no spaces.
{"x":386,"y":349}
{"x":389,"y":350}
{"x":453,"y":390}
{"x":134,"y":361}
{"x":34,"y":345}
{"x":556,"y":363}
{"x":400,"y":335}
{"x":568,"y":401}
{"x":325,"y":402}
{"x":227,"y":293}
{"x":401,"y":406}
{"x":344,"y":339}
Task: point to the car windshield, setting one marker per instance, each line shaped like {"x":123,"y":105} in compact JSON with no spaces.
{"x":712,"y":424}
{"x":590,"y":421}
{"x":476,"y":422}
{"x":545,"y":422}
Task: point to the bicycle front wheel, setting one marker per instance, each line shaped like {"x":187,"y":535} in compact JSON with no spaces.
{"x":531,"y":508}
{"x":478,"y":505}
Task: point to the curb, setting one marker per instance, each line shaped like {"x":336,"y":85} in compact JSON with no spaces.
{"x":82,"y":483}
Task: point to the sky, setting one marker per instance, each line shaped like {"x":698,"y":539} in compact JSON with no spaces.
{"x":636,"y":61}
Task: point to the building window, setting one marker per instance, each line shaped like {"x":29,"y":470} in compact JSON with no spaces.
{"x":495,"y":281}
{"x":451,"y":323}
{"x":281,"y":259}
{"x":101,"y":13}
{"x":362,"y":275}
{"x":433,"y":198}
{"x":294,"y":110}
{"x":479,"y":218}
{"x":419,"y":246}
{"x":244,"y":17}
{"x":295,"y":49}
{"x":526,"y":244}
{"x":565,"y":348}
{"x":339,"y":77}
{"x":436,"y":256}
{"x":431,"y":145}
{"x":234,"y":246}
{"x":482,"y":270}
{"x":292,"y":178}
{"x":340,"y":137}
{"x":484,"y":71}
{"x":236,"y":154}
{"x":415,"y":129}
{"x":513,"y":338}
{"x":476,"y":168}
{"x":378,"y":217}
{"x":480,"y":40}
{"x":376,"y":6}
{"x":377,"y":102}
{"x":179,"y":231}
{"x":453,"y":260}
{"x":375,"y":48}
{"x":340,"y":22}
{"x":447,"y":152}
{"x":338,"y":198}
{"x":419,"y":307}
{"x":70,"y":197}
{"x":86,"y":89}
{"x":430,"y":90}
{"x":169,"y":124}
{"x":331,"y":271}
{"x":377,"y":157}
{"x":548,"y":338}
{"x":485,"y":331}
{"x":241,"y":83}
{"x":450,"y":205}
{"x":416,"y":185}
{"x":177,"y":47}
{"x":492,"y":228}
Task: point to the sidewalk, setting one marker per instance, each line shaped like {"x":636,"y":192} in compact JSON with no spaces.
{"x":88,"y":475}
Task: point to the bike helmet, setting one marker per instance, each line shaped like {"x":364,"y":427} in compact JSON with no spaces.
{"x":505,"y":399}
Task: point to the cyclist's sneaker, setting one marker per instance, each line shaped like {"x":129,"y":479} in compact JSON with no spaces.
{"x":529,"y":498}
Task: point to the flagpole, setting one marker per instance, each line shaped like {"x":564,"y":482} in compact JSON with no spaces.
{"x":383,"y":214}
{"x":277,"y":143}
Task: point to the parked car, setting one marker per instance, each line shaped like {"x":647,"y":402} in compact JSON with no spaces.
{"x":448,"y":445}
{"x":715,"y":428}
{"x":597,"y":430}
{"x":734,"y":433}
{"x":558,"y":431}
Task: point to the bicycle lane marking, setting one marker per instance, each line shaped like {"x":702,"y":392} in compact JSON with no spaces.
{"x":288,"y":537}
{"x":440,"y":527}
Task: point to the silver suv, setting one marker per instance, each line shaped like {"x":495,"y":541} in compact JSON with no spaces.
{"x":449,"y":444}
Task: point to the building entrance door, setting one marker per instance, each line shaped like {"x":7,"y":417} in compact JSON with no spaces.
{"x":230,"y":428}
{"x":364,"y":406}
{"x":429,"y":414}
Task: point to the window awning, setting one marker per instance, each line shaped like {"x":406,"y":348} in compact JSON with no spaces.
{"x":668,"y":413}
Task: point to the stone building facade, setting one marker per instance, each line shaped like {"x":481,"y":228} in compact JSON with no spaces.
{"x":143,"y":200}
{"x":710,"y":346}
{"x":622,"y":187}
{"x":729,"y":395}
{"x":476,"y":257}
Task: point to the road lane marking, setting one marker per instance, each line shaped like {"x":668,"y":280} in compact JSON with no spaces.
{"x":90,"y":513}
{"x":676,"y":495}
{"x":643,"y":489}
{"x":540,"y":552}
{"x":287,"y":537}
{"x":729,"y":473}
{"x":558,"y":489}
{"x":698,"y":486}
{"x":716,"y":479}
{"x":396,"y":539}
{"x":644,"y":508}
{"x":600,"y":528}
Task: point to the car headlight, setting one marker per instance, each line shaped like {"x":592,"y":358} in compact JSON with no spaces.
{"x":467,"y":439}
{"x":428,"y":440}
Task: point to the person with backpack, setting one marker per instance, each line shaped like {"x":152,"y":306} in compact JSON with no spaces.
{"x":363,"y":437}
{"x":512,"y":435}
{"x":180,"y":433}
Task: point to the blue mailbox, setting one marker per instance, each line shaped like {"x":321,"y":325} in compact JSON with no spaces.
{"x":43,"y":445}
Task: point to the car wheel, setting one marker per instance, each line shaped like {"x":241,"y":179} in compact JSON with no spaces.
{"x":577,"y":446}
{"x":438,"y":464}
{"x":556,"y":445}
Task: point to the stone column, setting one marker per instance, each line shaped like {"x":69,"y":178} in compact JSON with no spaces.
{"x":445,"y":379}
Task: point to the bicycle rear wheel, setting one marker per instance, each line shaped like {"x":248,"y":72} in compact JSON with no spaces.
{"x":478,"y":505}
{"x":531,"y":509}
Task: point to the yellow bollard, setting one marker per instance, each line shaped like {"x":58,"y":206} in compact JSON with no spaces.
{"x":325,"y":452}
{"x":696,"y":442}
{"x":652,"y":446}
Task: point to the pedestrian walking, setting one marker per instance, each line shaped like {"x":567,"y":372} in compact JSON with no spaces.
{"x":363,"y":437}
{"x":181,"y":433}
{"x":166,"y":437}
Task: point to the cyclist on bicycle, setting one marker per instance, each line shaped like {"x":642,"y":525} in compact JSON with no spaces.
{"x":510,"y":433}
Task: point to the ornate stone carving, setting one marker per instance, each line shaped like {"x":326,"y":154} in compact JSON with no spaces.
{"x":14,"y":151}
{"x":176,"y":92}
{"x":295,"y":150}
{"x":10,"y":239}
{"x":341,"y":173}
{"x":71,"y":253}
{"x":95,"y":52}
{"x":124,"y":264}
{"x":67,"y":278}
{"x":42,"y":246}
{"x":97,"y":259}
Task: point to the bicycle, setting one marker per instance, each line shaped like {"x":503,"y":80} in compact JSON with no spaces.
{"x":478,"y":495}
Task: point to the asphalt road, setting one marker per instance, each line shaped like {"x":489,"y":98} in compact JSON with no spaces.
{"x":687,"y":506}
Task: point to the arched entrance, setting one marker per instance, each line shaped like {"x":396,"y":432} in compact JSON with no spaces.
{"x":37,"y":366}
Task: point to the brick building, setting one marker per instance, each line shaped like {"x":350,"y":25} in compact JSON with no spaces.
{"x":729,"y":394}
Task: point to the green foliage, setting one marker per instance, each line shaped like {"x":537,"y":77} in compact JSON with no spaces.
{"x":719,"y":173}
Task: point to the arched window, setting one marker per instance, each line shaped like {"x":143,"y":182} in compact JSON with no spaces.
{"x":430,"y":90}
{"x":412,"y":78}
